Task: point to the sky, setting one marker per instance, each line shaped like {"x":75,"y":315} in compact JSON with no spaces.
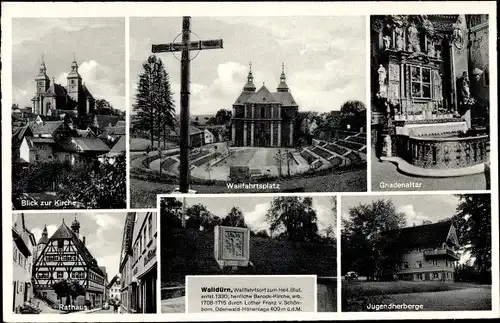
{"x":324,"y":58}
{"x":417,"y":208}
{"x":98,"y":45}
{"x":103,"y":233}
{"x":254,"y":209}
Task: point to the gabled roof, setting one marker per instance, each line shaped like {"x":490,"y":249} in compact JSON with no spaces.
{"x":118,"y":148}
{"x":112,"y":282}
{"x":64,"y":232}
{"x":46,"y":127}
{"x":18,"y":134}
{"x":192,"y":131}
{"x":90,"y":144}
{"x":86,"y":92}
{"x":423,"y":236}
{"x":263,"y":96}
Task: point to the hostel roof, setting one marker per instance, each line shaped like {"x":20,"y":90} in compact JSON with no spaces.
{"x":423,"y":236}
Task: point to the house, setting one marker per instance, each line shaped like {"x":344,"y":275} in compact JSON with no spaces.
{"x":197,"y":136}
{"x":430,"y":251}
{"x":24,"y":254}
{"x":138,"y":265}
{"x":59,"y":141}
{"x":208,"y":137}
{"x":65,"y":256}
{"x":18,"y":134}
{"x":114,"y":287}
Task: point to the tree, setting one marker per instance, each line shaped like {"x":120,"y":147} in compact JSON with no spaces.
{"x":262,"y":234}
{"x":365,"y":247}
{"x":222,"y":117}
{"x":75,"y":290}
{"x":198,"y":217}
{"x":473,"y":223}
{"x":293,"y":218}
{"x":154,"y":105}
{"x":234,"y":218}
{"x":353,"y":113}
{"x":170,"y":212}
{"x":98,"y":185}
{"x":279,"y":157}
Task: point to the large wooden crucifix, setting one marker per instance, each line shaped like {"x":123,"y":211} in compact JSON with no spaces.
{"x":185,"y":47}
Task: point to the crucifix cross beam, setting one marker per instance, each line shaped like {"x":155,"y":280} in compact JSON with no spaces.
{"x":185,"y":46}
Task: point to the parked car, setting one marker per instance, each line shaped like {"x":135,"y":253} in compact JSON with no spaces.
{"x":351,"y":275}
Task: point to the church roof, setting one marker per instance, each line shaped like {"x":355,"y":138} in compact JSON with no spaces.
{"x":285,"y":98}
{"x":263,"y":96}
{"x":243,"y":98}
{"x":56,"y":90}
{"x":64,"y":232}
{"x":86,"y":92}
{"x":422,"y":236}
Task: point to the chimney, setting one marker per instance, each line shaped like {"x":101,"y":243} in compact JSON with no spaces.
{"x":83,"y":240}
{"x":413,"y":223}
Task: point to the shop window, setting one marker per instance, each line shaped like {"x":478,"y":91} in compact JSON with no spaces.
{"x":420,"y":82}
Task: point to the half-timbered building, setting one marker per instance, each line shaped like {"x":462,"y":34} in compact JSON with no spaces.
{"x":65,"y":256}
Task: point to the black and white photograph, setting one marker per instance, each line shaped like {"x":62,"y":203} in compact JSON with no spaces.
{"x":285,"y":235}
{"x":416,"y":253}
{"x":250,"y":104}
{"x":84,"y":263}
{"x":430,"y":121}
{"x":68,"y":113}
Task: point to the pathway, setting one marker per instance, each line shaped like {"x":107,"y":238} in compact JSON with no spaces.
{"x":173,"y":305}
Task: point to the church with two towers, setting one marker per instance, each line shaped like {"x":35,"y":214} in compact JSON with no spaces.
{"x":74,"y":98}
{"x":263,"y":118}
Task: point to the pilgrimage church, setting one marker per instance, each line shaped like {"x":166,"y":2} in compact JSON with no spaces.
{"x":50,"y":97}
{"x":263,"y":118}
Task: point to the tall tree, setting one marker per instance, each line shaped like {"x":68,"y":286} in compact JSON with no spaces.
{"x":473,"y":223}
{"x":234,"y":218}
{"x":364,"y":248}
{"x":154,"y":106}
{"x":293,"y":217}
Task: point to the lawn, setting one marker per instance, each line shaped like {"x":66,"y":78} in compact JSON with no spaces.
{"x":141,"y":144}
{"x":433,"y":295}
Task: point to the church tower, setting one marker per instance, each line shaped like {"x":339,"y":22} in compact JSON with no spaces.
{"x":75,"y":226}
{"x":74,"y":82}
{"x":42,"y":242}
{"x":282,"y":87}
{"x":42,"y":80}
{"x":249,"y":86}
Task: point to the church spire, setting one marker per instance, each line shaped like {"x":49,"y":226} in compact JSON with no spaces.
{"x":282,"y":87}
{"x":249,"y":86}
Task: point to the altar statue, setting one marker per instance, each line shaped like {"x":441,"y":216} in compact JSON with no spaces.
{"x":387,"y":42}
{"x":465,"y":87}
{"x":382,"y":75}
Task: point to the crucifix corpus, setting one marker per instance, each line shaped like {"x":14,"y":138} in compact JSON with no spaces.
{"x":185,"y":47}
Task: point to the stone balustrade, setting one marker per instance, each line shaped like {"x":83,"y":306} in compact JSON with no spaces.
{"x":442,"y":153}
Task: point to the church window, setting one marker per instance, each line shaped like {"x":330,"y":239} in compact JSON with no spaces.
{"x":420,"y":82}
{"x":72,"y":81}
{"x":263,"y":112}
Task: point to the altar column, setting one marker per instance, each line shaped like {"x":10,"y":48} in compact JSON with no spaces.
{"x":454,"y":101}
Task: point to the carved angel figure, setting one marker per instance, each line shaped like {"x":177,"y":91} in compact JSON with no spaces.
{"x":431,"y":50}
{"x":387,"y":42}
{"x":413,"y":41}
{"x":400,"y":43}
